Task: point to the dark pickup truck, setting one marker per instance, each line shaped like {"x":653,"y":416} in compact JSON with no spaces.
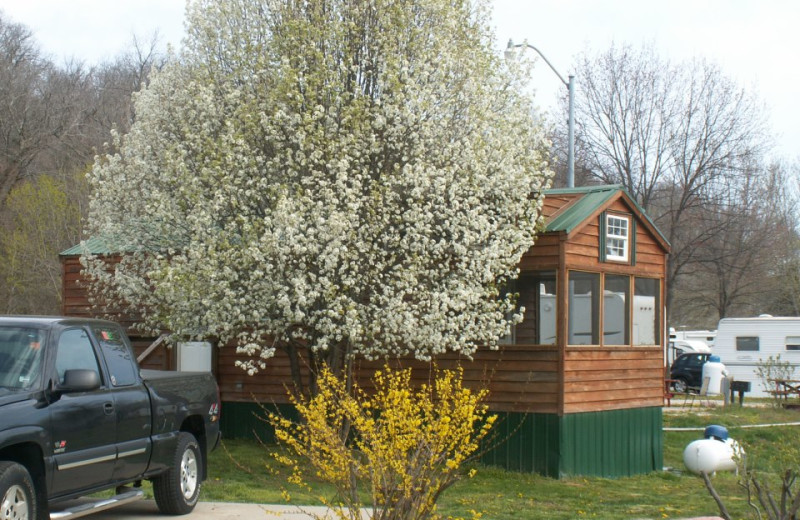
{"x":78,"y":416}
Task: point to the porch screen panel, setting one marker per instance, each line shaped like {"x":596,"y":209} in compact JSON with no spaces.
{"x":616,"y":314}
{"x":646,"y":311}
{"x":584,"y":308}
{"x":537,"y":293}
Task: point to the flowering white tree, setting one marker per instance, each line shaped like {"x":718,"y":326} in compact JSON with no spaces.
{"x":359,"y":177}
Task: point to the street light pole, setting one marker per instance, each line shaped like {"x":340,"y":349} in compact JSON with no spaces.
{"x":509,"y":53}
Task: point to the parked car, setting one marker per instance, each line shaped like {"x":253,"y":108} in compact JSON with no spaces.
{"x":687,"y":371}
{"x":78,"y":416}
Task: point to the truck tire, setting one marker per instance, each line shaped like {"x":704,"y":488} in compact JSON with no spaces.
{"x":681,"y":385}
{"x":17,"y":495}
{"x":176,"y":491}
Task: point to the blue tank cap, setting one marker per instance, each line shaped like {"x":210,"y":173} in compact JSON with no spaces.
{"x":714,"y":358}
{"x":715,"y":431}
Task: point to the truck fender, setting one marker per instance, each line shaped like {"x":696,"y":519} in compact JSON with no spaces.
{"x":30,"y":447}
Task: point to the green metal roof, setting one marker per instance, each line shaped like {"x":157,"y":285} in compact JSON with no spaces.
{"x":582,"y":208}
{"x":96,"y":246}
{"x":593,"y":198}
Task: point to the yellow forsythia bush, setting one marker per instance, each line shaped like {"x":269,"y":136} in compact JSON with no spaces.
{"x":404,"y":445}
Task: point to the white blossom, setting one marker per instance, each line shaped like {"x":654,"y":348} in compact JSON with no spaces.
{"x":364,"y":173}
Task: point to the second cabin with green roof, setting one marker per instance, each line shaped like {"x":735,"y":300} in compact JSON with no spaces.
{"x":579,"y":384}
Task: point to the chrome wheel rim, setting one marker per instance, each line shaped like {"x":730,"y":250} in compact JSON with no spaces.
{"x":188,"y":474}
{"x":15,"y":504}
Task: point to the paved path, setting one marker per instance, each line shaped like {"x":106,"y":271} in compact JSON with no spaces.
{"x":147,"y":510}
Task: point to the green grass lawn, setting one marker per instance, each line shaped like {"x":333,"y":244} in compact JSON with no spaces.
{"x":244,"y":472}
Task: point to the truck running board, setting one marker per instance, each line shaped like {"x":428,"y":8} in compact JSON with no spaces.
{"x":88,"y":508}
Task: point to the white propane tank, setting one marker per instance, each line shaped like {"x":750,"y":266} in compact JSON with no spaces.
{"x":715,"y":371}
{"x":715,"y":453}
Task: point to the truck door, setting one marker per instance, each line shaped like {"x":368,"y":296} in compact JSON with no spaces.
{"x":83,"y":424}
{"x":131,"y":402}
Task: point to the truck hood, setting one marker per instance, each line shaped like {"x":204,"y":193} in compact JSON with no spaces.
{"x":10,"y":396}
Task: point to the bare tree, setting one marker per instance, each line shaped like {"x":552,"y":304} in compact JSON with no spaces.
{"x":623,"y":117}
{"x":23,"y":106}
{"x":737,"y":271}
{"x":679,"y":138}
{"x":113,"y":84}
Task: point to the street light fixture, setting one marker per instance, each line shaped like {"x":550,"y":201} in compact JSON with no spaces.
{"x":510,"y":54}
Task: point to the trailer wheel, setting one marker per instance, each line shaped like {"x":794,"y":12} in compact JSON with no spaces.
{"x":16,"y":493}
{"x":176,"y":491}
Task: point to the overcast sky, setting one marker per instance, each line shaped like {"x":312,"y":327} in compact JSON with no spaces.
{"x":756,"y":42}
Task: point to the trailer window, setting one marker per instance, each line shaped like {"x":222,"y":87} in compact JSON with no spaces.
{"x":747,"y":343}
{"x":792,"y":342}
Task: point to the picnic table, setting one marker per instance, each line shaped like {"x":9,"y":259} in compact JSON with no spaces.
{"x":785,"y":389}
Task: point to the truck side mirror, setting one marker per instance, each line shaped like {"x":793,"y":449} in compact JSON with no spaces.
{"x":80,"y":380}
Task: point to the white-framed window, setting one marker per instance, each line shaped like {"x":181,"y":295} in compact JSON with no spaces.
{"x":617,"y":237}
{"x":792,"y":342}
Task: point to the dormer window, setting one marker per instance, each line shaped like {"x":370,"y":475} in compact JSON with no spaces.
{"x":617,"y":238}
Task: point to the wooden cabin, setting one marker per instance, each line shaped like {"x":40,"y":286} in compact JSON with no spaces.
{"x":578,"y":384}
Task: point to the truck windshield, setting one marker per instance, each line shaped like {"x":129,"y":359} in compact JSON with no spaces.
{"x":20,"y":356}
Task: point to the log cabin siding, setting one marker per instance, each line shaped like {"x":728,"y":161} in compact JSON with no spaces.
{"x":544,"y":254}
{"x":597,"y":379}
{"x":520,"y":379}
{"x":74,"y":296}
{"x":553,"y":205}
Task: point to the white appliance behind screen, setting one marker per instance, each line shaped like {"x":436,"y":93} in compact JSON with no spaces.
{"x":194,"y":356}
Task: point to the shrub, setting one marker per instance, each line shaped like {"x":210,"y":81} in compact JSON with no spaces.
{"x":770,"y":493}
{"x":773,"y":368}
{"x":403,"y":446}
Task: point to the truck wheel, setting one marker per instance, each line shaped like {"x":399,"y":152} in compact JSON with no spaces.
{"x":16,"y":492}
{"x":680,"y":385}
{"x":176,"y":491}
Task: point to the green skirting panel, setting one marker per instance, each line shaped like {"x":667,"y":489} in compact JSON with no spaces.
{"x":246,"y":420}
{"x":614,"y":443}
{"x":524,"y":442}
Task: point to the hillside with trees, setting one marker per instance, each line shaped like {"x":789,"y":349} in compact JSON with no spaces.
{"x":54,"y":118}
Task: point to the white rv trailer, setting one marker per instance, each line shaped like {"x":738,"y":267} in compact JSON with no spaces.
{"x":684,"y":346}
{"x":706,"y":336}
{"x":687,"y":341}
{"x":741,"y":343}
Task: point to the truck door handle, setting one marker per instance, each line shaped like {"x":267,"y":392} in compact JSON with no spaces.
{"x":108,"y":408}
